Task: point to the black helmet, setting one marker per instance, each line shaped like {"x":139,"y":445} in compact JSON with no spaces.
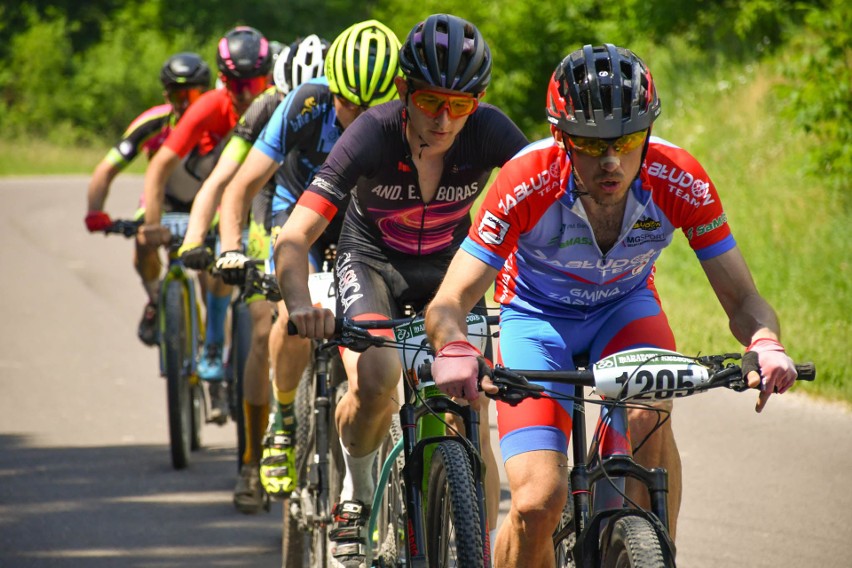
{"x":602,"y":92}
{"x":185,"y":70}
{"x":447,"y":51}
{"x":243,"y":54}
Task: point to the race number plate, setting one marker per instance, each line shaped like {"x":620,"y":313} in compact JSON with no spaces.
{"x":415,"y":348}
{"x":321,"y":287}
{"x":648,"y":374}
{"x":176,"y":223}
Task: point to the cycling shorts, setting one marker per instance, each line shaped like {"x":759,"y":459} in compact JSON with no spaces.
{"x":546,"y":342}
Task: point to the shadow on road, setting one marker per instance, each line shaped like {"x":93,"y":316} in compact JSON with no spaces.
{"x":125,"y":506}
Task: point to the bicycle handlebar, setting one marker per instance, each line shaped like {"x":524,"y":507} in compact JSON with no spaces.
{"x":642,"y":379}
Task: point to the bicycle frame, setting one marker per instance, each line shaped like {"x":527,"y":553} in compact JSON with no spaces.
{"x":613,"y":464}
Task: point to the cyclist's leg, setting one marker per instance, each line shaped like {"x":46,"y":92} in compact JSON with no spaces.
{"x":639,"y":321}
{"x":533,"y":440}
{"x":364,"y":413}
{"x":290,"y":355}
{"x":149,"y":266}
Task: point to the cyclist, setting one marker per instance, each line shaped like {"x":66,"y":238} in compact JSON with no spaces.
{"x":570,"y":229}
{"x":184,"y":76}
{"x":303,"y":61}
{"x":293,"y":145}
{"x":416,"y":166}
{"x":192,"y":148}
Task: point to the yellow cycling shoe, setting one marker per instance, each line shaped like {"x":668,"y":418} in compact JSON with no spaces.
{"x":278,"y":465}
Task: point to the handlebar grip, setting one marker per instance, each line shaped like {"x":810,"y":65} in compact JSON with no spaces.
{"x":291,"y":328}
{"x":806,"y":371}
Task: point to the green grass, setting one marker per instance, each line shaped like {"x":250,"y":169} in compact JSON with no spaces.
{"x":37,"y":157}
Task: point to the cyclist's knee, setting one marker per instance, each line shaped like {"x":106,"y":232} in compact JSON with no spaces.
{"x":642,"y":422}
{"x":373,"y":375}
{"x":537,"y":506}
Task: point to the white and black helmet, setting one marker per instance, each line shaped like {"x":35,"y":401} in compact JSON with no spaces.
{"x":305,"y":61}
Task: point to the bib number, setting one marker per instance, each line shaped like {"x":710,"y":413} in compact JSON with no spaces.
{"x":176,"y":223}
{"x":648,"y":374}
{"x":321,"y":287}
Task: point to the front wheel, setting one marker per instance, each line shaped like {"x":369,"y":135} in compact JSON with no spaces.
{"x":176,"y":346}
{"x":633,"y":543}
{"x":453,"y":534}
{"x":390,"y":530}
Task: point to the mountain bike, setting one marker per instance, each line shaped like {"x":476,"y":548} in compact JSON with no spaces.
{"x":600,"y":526}
{"x":319,"y":462}
{"x":181,"y":334}
{"x":427,"y":509}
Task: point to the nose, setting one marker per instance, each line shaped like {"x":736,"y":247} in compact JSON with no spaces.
{"x":610,"y":161}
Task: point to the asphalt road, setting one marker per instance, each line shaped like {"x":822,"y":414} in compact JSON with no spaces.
{"x":85,"y":476}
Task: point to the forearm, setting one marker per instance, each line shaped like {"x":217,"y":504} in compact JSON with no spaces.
{"x":208,"y":197}
{"x":291,"y":268}
{"x":99,"y":185}
{"x":235,"y":203}
{"x":754,"y":318}
{"x":161,"y":167}
{"x":446,"y":322}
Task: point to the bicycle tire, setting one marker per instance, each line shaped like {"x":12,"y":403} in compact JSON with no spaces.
{"x":176,"y":346}
{"x":294,"y":540}
{"x":453,"y":534}
{"x":634,"y":543}
{"x":565,"y":535}
{"x":241,"y":334}
{"x":391,"y":549}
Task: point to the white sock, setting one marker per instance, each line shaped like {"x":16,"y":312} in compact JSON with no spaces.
{"x":153,"y":289}
{"x":358,"y":482}
{"x":492,"y":537}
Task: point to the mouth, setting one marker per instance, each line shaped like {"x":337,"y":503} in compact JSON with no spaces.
{"x":610,"y":185}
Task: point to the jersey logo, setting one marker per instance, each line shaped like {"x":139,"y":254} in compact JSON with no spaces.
{"x":403,"y":167}
{"x":647,"y":224}
{"x":310,"y":103}
{"x":492,"y":230}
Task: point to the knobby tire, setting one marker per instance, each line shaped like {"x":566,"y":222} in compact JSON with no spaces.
{"x":391,"y":547}
{"x":176,"y":343}
{"x":634,"y":543}
{"x":453,"y":533}
{"x":240,"y":346}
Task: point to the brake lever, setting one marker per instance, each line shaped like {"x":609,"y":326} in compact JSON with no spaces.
{"x":513,"y":388}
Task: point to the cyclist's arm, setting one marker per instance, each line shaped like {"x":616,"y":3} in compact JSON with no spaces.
{"x":257,"y":169}
{"x":208,"y":197}
{"x":750,"y":316}
{"x":162,"y":166}
{"x":100,"y":183}
{"x":466,"y":281}
{"x":292,"y":247}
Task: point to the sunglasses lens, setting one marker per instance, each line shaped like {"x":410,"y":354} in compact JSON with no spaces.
{"x":433,"y":103}
{"x":184,"y":96}
{"x":254,"y":85}
{"x":596,"y":147}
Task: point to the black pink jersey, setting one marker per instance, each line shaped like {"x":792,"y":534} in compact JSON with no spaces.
{"x":372,"y":161}
{"x":533,"y":228}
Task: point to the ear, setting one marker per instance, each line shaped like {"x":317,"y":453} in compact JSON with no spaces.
{"x":557,"y":135}
{"x":401,"y":87}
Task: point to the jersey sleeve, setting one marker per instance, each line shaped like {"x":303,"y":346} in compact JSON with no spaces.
{"x":151,"y":123}
{"x":690,"y":200}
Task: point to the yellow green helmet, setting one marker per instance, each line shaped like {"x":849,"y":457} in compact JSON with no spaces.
{"x":362,"y":63}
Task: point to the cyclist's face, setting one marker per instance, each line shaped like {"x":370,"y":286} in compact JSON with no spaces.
{"x":439,"y":124}
{"x":346,"y":110}
{"x":180,"y":99}
{"x":243,"y":91}
{"x":607,"y":177}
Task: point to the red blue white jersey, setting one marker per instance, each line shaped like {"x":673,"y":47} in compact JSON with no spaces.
{"x":535,"y":230}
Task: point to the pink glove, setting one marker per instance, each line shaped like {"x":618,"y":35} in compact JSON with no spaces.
{"x":97,"y":221}
{"x":456,"y":370}
{"x":777,"y":370}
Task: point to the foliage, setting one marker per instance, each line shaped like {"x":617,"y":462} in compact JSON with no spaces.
{"x":818,"y":90}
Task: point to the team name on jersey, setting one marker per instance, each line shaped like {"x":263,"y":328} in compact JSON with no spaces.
{"x":544,"y":182}
{"x":683,"y":184}
{"x":444,"y":193}
{"x":582,"y":297}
